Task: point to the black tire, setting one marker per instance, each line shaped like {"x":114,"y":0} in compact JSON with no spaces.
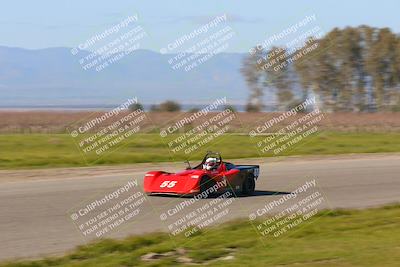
{"x":249,"y":185}
{"x":206,"y":183}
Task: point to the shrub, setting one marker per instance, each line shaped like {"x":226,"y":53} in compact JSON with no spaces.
{"x":135,"y":106}
{"x":169,"y":106}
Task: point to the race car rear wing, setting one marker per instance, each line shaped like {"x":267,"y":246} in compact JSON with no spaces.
{"x":254,"y":169}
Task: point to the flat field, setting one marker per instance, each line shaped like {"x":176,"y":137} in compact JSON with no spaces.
{"x":59,"y":150}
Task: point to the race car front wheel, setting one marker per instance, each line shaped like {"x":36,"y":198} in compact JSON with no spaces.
{"x":249,"y":185}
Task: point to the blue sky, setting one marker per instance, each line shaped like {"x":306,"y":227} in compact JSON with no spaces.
{"x":50,"y":23}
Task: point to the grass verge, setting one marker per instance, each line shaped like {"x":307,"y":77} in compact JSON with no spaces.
{"x":59,"y":150}
{"x":339,"y":238}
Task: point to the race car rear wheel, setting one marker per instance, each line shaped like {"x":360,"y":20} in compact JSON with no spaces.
{"x":249,"y":185}
{"x":205,"y":183}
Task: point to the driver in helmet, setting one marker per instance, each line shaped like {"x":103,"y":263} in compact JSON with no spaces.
{"x":210,"y":164}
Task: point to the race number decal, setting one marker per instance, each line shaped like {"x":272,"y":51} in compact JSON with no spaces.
{"x":168,"y":184}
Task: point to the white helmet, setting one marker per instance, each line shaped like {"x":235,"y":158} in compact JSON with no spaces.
{"x":210,"y":164}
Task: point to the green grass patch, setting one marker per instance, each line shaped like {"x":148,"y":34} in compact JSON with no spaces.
{"x":60,"y":150}
{"x":339,"y":238}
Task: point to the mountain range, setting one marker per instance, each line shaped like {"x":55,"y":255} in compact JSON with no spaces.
{"x":53,"y":77}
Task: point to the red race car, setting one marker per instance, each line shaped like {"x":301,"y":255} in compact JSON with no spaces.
{"x":212,"y":175}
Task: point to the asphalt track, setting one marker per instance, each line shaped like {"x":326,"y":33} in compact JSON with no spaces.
{"x":35,"y":206}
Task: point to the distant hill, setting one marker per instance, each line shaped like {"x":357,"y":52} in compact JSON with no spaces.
{"x":54,"y":77}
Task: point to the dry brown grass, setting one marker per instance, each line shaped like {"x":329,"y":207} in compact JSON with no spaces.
{"x":59,"y":121}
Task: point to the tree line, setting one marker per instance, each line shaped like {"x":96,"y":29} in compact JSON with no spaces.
{"x":351,"y":69}
{"x":171,"y":106}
